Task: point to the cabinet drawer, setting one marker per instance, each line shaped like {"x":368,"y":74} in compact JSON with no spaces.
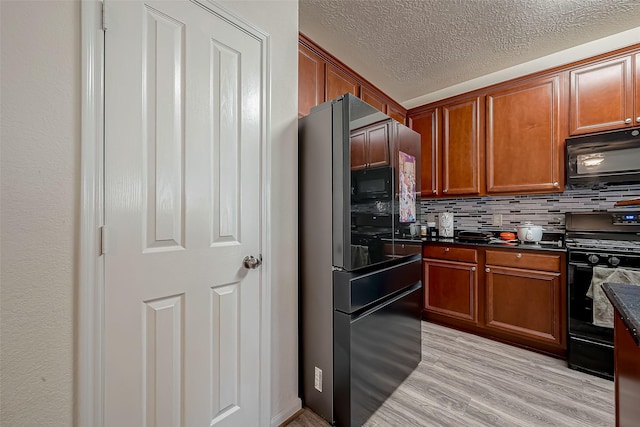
{"x":521,"y":259}
{"x":451,"y":253}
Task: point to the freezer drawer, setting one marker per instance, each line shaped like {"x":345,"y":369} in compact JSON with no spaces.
{"x":374,"y":351}
{"x":355,"y":291}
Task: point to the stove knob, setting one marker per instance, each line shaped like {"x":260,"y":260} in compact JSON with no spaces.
{"x":614,"y":261}
{"x":593,"y":259}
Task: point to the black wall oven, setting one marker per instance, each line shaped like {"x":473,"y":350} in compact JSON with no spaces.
{"x":607,"y":240}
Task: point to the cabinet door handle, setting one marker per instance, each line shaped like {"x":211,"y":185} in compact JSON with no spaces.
{"x":519,"y":256}
{"x":446,"y":249}
{"x":487,"y":270}
{"x":638,"y":119}
{"x":628,"y":120}
{"x":444,"y":190}
{"x":556,"y":185}
{"x":473,"y":269}
{"x":435,"y":191}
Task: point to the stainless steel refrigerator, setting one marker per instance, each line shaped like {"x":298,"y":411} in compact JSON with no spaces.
{"x":360,"y":262}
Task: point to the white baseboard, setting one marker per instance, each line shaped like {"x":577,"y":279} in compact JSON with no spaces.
{"x":294,"y":406}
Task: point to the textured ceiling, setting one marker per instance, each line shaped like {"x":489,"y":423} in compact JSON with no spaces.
{"x":410,"y":48}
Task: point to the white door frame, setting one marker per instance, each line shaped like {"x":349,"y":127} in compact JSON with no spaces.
{"x":89,"y":322}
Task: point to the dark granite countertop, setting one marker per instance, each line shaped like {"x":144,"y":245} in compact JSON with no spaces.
{"x":518,"y":246}
{"x":626,"y":299}
{"x":497,"y":243}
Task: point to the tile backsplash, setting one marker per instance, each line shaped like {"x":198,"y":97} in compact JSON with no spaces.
{"x":547,"y":210}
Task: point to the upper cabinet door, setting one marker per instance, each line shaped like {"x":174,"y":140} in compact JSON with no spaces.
{"x":427,"y":125}
{"x":601,"y":96}
{"x":396,"y":113}
{"x":462,"y":147}
{"x":373,"y":99}
{"x":338,"y":83}
{"x":369,"y":147}
{"x":358,"y":149}
{"x":310,"y":80}
{"x":523,"y":128}
{"x":378,"y":137}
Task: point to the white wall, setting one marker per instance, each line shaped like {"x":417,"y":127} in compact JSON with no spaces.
{"x":39,"y":205}
{"x":40,"y":136}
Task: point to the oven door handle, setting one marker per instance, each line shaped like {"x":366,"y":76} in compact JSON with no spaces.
{"x":581,"y":265}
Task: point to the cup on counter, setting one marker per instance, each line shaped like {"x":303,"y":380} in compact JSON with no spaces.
{"x":423,"y":230}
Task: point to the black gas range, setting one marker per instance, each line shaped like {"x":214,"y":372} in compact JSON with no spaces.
{"x":598,"y":244}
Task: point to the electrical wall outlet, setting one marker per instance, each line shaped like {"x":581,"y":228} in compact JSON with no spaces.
{"x":317,"y":381}
{"x":497,"y":219}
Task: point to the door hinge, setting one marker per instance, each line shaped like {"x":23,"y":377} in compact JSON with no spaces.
{"x":104,"y":18}
{"x":103,"y":240}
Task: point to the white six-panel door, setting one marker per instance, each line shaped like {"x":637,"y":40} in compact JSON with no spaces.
{"x":183,"y":123}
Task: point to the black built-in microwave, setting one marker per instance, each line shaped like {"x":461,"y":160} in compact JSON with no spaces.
{"x":371,"y":184}
{"x":607,"y":157}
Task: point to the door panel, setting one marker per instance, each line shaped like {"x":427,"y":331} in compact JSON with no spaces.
{"x":183,"y":114}
{"x":601,"y":96}
{"x":462,"y":146}
{"x":310,"y":80}
{"x":451,"y":289}
{"x":426,"y":124}
{"x":378,"y":151}
{"x":338,"y":83}
{"x":525,"y":303}
{"x":523,"y":124}
{"x":373,"y":99}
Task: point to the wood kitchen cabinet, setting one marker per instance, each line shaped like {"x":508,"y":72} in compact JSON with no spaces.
{"x":525,"y":298}
{"x":513,"y":296}
{"x":322,"y":77}
{"x":462,"y":146}
{"x":397,"y":113}
{"x":370,"y":146}
{"x":524,"y":128}
{"x":452,"y":147}
{"x":373,"y":98}
{"x":339,"y":82}
{"x":451,"y":283}
{"x":604,"y":95}
{"x":427,"y":123}
{"x":377,"y":100}
{"x":310,"y":80}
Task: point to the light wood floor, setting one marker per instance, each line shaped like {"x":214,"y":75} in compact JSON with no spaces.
{"x":465,"y":380}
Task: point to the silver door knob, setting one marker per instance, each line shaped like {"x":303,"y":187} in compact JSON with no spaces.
{"x":556,"y":184}
{"x":638,"y":119}
{"x":252,"y":262}
{"x":628,"y":120}
{"x":519,"y":256}
{"x":473,"y":269}
{"x":487,"y":270}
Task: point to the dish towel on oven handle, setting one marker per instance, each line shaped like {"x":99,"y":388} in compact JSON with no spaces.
{"x":359,"y":256}
{"x":602,"y":308}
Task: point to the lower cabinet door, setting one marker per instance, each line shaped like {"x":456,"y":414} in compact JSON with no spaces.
{"x":451,"y":289}
{"x":524,"y":303}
